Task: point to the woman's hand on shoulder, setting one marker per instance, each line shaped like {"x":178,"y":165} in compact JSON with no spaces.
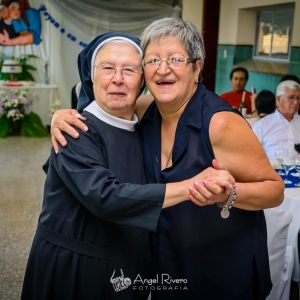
{"x":62,"y":121}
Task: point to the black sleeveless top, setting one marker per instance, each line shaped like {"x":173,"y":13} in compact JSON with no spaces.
{"x":214,"y":258}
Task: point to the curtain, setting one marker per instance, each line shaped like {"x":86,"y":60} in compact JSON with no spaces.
{"x":130,"y":16}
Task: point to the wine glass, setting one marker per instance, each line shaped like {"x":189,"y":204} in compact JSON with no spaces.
{"x":280,"y":155}
{"x":297,"y":147}
{"x":287,"y":165}
{"x":297,"y":167}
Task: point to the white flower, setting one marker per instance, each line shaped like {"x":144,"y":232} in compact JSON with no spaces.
{"x":7,"y":104}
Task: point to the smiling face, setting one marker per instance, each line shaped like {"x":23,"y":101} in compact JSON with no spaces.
{"x":14,"y":11}
{"x":167,"y":84}
{"x":117,"y":94}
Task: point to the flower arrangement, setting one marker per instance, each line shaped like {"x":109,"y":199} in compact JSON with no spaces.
{"x":16,"y":118}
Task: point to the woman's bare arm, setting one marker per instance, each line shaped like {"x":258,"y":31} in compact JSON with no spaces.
{"x":236,"y":146}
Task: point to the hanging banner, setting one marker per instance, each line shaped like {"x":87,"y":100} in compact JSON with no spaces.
{"x":20,"y":24}
{"x":48,"y":17}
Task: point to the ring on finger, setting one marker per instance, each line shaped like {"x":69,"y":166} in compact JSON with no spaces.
{"x":208,"y":201}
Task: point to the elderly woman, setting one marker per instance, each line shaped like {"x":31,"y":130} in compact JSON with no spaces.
{"x":217,"y":251}
{"x":93,"y":234}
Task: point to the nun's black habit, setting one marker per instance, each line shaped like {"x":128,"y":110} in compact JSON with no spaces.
{"x":92,"y":239}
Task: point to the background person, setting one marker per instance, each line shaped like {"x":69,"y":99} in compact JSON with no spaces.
{"x":281,"y":128}
{"x":238,"y":80}
{"x":290,"y":77}
{"x":75,"y":94}
{"x":264,"y":104}
{"x":293,"y":78}
{"x":94,"y":224}
{"x":183,"y":130}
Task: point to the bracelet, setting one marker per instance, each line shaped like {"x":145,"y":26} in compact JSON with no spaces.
{"x":228,"y":205}
{"x":253,"y":112}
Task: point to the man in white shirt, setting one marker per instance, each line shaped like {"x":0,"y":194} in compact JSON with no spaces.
{"x":281,"y":129}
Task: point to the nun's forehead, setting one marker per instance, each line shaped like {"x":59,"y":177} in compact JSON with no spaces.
{"x":117,"y":43}
{"x":105,"y":42}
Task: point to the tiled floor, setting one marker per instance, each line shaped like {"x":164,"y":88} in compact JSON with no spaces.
{"x":21,"y":194}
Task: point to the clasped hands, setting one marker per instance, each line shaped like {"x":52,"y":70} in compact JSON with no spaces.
{"x":212,"y":185}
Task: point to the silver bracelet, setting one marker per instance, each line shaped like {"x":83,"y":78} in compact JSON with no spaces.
{"x":228,"y":205}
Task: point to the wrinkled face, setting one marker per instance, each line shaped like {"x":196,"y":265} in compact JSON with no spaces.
{"x":289,"y":103}
{"x":173,"y":83}
{"x":4,"y":12}
{"x":238,"y":81}
{"x":117,"y":91}
{"x":14,"y":12}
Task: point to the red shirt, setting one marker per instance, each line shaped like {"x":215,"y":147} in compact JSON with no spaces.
{"x":235,"y":99}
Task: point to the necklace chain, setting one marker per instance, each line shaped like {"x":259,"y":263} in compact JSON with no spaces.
{"x":173,"y":144}
{"x":169,"y":157}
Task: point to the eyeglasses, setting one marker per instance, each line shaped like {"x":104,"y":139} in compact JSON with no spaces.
{"x":172,"y":62}
{"x":108,"y":71}
{"x":291,"y":98}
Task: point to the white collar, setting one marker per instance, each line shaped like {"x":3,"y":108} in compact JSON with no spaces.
{"x":6,"y":22}
{"x":99,"y":113}
{"x":282,"y":116}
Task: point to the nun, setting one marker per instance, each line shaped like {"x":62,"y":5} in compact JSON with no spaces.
{"x":92,"y":238}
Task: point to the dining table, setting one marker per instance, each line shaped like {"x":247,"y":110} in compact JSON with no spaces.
{"x":291,"y":203}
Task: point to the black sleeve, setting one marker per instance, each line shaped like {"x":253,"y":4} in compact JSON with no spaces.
{"x":81,"y":166}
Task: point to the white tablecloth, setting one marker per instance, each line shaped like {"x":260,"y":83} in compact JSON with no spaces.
{"x":251,"y":120}
{"x":291,"y":203}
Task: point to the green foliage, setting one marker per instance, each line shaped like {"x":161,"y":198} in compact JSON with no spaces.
{"x":31,"y":126}
{"x":4,"y":127}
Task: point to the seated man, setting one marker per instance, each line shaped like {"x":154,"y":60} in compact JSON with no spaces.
{"x":281,"y":129}
{"x":238,"y":81}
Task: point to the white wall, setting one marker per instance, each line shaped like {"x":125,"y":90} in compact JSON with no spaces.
{"x":193,"y":11}
{"x":231,"y":18}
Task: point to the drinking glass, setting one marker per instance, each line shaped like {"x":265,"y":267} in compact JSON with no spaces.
{"x":280,"y":155}
{"x":297,"y":147}
{"x":297,"y":167}
{"x":287,"y":165}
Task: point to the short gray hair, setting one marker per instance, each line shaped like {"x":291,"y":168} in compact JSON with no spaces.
{"x":293,"y":85}
{"x":186,"y":32}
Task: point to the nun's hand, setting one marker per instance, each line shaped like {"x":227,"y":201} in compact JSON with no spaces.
{"x":61,"y":121}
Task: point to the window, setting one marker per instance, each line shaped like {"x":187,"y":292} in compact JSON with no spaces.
{"x":273,"y":33}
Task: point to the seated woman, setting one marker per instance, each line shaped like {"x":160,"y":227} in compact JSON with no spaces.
{"x":265,"y":104}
